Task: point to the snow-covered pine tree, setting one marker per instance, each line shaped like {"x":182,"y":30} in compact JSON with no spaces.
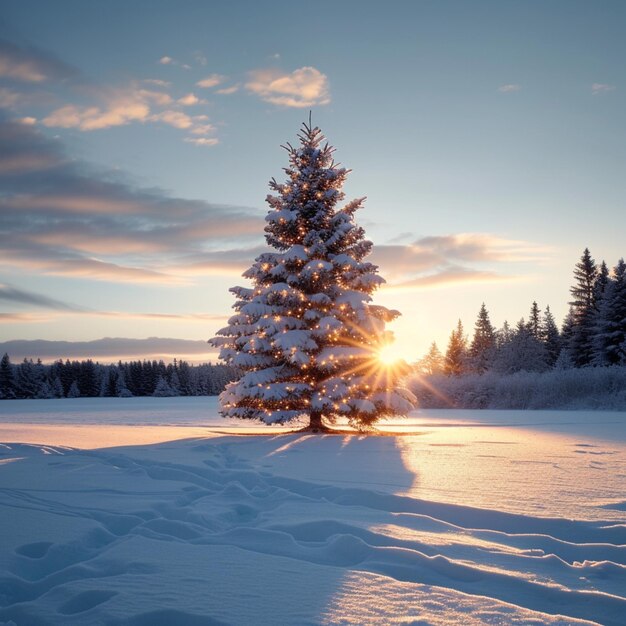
{"x":456,"y":352}
{"x":7,"y":378}
{"x":609,"y":343}
{"x":534,"y":320}
{"x":583,"y":302}
{"x":522,"y":353}
{"x":482,"y":348}
{"x":432,"y":362}
{"x":550,"y":336}
{"x":306,"y":336}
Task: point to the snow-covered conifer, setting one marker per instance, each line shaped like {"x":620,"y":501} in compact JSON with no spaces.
{"x":481,"y":350}
{"x":74,"y":391}
{"x":550,"y":336}
{"x":609,"y":343}
{"x":456,"y":353}
{"x":306,"y":335}
{"x":583,"y":302}
{"x":534,"y":320}
{"x":432,"y":363}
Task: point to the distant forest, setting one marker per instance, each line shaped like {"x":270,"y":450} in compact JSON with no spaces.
{"x":86,"y":379}
{"x":477,"y":373}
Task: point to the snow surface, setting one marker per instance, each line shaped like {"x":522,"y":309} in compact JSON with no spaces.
{"x":474,"y":517}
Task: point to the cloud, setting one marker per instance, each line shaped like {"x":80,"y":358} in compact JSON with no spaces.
{"x":157,"y":82}
{"x":12,"y":295}
{"x":177,"y":119}
{"x":166,"y":60}
{"x":121,"y":107}
{"x":22,"y":151}
{"x":227,"y":91}
{"x":31,"y":65}
{"x":448,"y":259}
{"x":109,"y":349}
{"x":598,"y":88}
{"x":304,"y":87}
{"x":509,"y":88}
{"x":211,"y":81}
{"x":448,"y":277}
{"x":61,"y":217}
{"x":189,"y":100}
{"x":202,"y":141}
{"x":132,"y":104}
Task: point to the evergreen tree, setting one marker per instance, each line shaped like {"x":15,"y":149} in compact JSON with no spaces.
{"x":88,"y":379}
{"x":550,"y":336}
{"x":534,"y":321}
{"x":7,"y":378}
{"x":609,"y":344}
{"x":163,"y":389}
{"x":456,"y":353}
{"x":601,"y":282}
{"x":57,"y":388}
{"x":503,"y":335}
{"x":27,"y":380}
{"x":583,"y":302}
{"x":522,"y":353}
{"x":483,"y":344}
{"x":306,"y":336}
{"x":74,"y":391}
{"x":121,"y":390}
{"x":433,"y":361}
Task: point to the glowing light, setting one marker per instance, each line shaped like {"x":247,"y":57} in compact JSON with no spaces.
{"x":389,"y":354}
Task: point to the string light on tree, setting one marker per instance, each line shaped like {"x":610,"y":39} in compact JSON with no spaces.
{"x":306,"y":337}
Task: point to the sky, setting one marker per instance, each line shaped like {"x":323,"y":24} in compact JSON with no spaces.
{"x":137,"y":140}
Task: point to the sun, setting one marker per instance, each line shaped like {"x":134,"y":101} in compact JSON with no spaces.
{"x":389,"y":354}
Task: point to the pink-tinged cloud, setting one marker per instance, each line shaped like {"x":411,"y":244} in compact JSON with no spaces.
{"x":450,"y":259}
{"x":449,"y":277}
{"x":31,"y":65}
{"x":211,"y":81}
{"x":227,"y":91}
{"x":95,"y":118}
{"x":189,"y":100}
{"x":509,"y":88}
{"x":304,"y":87}
{"x":61,"y":217}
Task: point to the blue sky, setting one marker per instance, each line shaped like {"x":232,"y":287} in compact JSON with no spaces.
{"x":138,"y":139}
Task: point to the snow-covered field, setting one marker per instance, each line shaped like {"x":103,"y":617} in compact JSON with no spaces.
{"x":473,"y":517}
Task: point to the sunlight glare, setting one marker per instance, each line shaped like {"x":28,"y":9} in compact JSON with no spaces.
{"x":389,"y":354}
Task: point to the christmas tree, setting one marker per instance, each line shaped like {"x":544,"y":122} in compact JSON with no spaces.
{"x":306,"y":336}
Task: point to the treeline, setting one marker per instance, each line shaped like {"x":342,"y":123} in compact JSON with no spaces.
{"x":593,"y":334}
{"x":89,"y":379}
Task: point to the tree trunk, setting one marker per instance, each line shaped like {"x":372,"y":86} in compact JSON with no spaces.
{"x":315,"y":422}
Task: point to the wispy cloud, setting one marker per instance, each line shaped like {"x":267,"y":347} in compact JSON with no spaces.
{"x":509,"y":88}
{"x":442,"y":260}
{"x":211,"y":81}
{"x":227,"y":91}
{"x":31,"y":65}
{"x":13,"y":295}
{"x":598,"y":88}
{"x":303,"y":87}
{"x":202,"y":141}
{"x":59,"y":216}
